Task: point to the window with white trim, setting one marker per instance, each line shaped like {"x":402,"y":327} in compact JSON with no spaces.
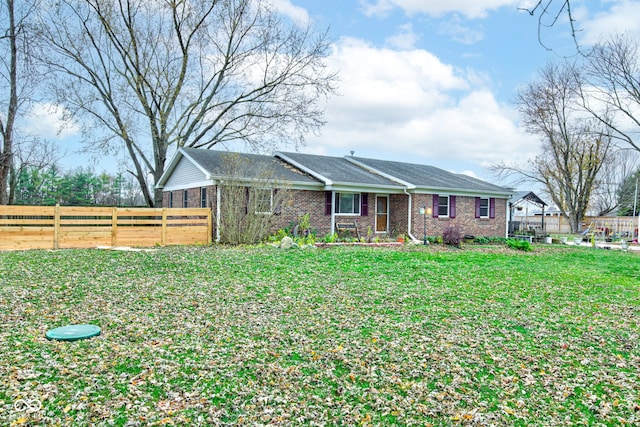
{"x":484,"y":207}
{"x":263,"y":201}
{"x":347,"y":204}
{"x":443,"y":206}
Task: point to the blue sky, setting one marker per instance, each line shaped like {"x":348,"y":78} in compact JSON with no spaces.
{"x":432,"y":81}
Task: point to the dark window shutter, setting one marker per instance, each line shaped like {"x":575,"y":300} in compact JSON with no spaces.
{"x":477,"y":207}
{"x":277,"y":209}
{"x":492,"y":207}
{"x":435,"y":206}
{"x":327,"y":203}
{"x":246,"y":200}
{"x":364,"y":204}
{"x":452,"y":206}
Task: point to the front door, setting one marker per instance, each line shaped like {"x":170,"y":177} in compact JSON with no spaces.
{"x":382,"y":214}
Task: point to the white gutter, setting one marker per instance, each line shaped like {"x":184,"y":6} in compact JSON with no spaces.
{"x":333,"y":212}
{"x":509,"y":212}
{"x":409,"y":219}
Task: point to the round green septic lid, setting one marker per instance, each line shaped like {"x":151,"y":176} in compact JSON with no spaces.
{"x":73,"y":332}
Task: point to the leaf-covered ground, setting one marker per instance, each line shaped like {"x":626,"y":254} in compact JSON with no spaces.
{"x":341,"y":336}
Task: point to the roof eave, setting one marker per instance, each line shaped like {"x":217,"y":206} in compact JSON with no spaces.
{"x":464,"y":191}
{"x":350,"y":186}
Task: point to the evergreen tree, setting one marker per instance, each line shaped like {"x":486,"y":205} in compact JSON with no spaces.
{"x":627,"y":192}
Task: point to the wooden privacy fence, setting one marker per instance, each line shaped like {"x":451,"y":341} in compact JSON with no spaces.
{"x":54,"y":227}
{"x":623,"y":225}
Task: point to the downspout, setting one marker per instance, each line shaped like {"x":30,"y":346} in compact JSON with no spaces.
{"x":333,"y":212}
{"x":409,"y":218}
{"x":509,"y":224}
{"x":218,"y":199}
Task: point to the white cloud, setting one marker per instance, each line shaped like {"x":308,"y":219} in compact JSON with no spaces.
{"x":468,"y":8}
{"x":461,"y":33}
{"x":621,"y":17}
{"x":295,"y":13}
{"x":404,"y":39}
{"x":410,"y":106}
{"x":48,"y":121}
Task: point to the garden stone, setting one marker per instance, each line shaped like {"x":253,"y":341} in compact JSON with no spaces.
{"x":287,"y":243}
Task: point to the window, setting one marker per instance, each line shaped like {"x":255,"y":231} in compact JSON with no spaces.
{"x":170,"y":199}
{"x":185,"y":198}
{"x":203,"y":197}
{"x":347,"y":203}
{"x":483,"y":208}
{"x":263,"y":200}
{"x":443,"y":205}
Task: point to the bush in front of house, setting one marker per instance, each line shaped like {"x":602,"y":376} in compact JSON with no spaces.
{"x":519,"y":244}
{"x":488,"y":240}
{"x":452,"y":235}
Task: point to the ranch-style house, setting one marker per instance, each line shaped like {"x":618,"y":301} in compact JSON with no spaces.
{"x":375,"y":196}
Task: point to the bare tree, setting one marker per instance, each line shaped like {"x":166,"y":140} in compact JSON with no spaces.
{"x":250,"y":207}
{"x":31,"y":153}
{"x":573,"y":148}
{"x":618,"y":165}
{"x":151,"y":75}
{"x":613,"y":95}
{"x":9,"y":75}
{"x":549,"y":13}
{"x":17,"y":80}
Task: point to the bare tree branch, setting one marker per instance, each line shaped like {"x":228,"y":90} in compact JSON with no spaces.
{"x":573,"y":148}
{"x":555,"y":9}
{"x":156,"y":74}
{"x":613,"y":96}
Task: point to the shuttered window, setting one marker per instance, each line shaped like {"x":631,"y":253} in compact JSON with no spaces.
{"x":482,"y":207}
{"x":347,"y":203}
{"x":443,"y":205}
{"x":485,"y":207}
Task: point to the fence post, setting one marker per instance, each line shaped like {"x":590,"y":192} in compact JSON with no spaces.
{"x":163,"y":239}
{"x":114,"y":226}
{"x":209,"y":226}
{"x":56,"y":225}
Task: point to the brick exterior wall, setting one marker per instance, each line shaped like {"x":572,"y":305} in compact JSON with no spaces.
{"x":305,"y":202}
{"x":465,"y":217}
{"x":313,"y":203}
{"x":398,"y":214}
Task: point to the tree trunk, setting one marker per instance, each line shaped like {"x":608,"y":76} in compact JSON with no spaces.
{"x":6,"y":156}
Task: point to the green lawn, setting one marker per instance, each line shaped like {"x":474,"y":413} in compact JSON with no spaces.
{"x":341,"y":336}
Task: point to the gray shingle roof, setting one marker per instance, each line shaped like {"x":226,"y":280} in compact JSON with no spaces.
{"x":529,"y":196}
{"x":338,"y":170}
{"x":310,"y":171}
{"x":430,"y":177}
{"x":213,"y":161}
